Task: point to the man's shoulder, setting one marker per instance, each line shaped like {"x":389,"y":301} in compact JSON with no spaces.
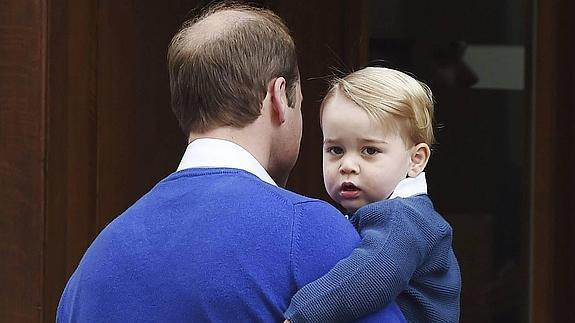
{"x":241,"y":188}
{"x":322,"y":236}
{"x":296,"y":198}
{"x":242,"y":183}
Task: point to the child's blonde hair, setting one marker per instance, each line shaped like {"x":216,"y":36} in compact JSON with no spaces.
{"x":390,"y":95}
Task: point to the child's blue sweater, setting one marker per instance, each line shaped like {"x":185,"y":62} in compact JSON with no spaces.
{"x":405,"y":255}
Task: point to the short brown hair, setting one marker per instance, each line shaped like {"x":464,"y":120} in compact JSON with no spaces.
{"x":405,"y":103}
{"x":219,"y":70}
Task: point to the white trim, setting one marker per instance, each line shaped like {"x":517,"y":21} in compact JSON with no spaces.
{"x":410,"y":186}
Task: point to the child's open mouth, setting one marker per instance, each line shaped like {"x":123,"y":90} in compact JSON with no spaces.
{"x":349,"y":191}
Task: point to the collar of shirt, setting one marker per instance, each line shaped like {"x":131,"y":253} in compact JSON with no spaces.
{"x":218,"y":153}
{"x":410,"y":186}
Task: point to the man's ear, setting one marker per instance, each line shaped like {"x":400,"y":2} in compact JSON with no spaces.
{"x":278,"y":95}
{"x":419,"y":157}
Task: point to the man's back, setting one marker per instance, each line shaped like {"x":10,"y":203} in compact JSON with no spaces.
{"x":207,"y":245}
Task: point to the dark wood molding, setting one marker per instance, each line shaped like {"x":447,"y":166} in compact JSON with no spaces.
{"x":23,"y":33}
{"x":553,"y":203}
{"x":71,"y":153}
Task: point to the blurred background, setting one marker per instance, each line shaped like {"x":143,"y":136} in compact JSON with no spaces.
{"x":86,"y":129}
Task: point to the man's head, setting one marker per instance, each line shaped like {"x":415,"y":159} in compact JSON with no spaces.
{"x":377,"y":125}
{"x":221,"y":63}
{"x":234,"y":76}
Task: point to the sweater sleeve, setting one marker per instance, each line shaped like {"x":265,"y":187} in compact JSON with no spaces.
{"x":316,"y":249}
{"x":395,"y":241}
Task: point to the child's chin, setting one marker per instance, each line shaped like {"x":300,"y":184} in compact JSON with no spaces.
{"x":350,"y":207}
{"x":353,"y":207}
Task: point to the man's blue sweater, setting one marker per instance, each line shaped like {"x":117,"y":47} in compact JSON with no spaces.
{"x":209,"y":245}
{"x":405,"y":254}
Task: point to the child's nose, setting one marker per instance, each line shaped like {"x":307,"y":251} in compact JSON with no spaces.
{"x":349,"y":165}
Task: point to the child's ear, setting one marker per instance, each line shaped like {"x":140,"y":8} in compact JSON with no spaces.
{"x":419,"y":157}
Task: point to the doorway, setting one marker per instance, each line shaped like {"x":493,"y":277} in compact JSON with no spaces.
{"x":475,"y":57}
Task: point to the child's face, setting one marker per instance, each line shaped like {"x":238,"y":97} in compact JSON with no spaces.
{"x":362,"y":163}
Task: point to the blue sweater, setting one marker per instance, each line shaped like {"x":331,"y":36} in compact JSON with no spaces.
{"x":405,"y":255}
{"x":209,"y":245}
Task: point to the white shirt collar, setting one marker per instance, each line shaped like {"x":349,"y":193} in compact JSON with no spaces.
{"x":410,"y":186}
{"x":209,"y":152}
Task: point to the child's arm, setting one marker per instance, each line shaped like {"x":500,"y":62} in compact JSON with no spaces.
{"x":393,"y":245}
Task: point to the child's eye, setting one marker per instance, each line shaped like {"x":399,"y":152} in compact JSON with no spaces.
{"x":370,"y":150}
{"x":335,"y":150}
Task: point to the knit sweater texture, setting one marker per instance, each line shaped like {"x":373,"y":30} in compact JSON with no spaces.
{"x":405,"y":255}
{"x":209,"y":245}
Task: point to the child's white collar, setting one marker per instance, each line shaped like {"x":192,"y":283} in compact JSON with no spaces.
{"x":410,"y":186}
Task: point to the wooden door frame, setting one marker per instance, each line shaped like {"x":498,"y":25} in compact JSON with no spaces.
{"x":22,"y":147}
{"x":552,"y":262}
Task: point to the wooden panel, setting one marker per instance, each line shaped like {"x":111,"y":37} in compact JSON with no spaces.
{"x":564,"y":256}
{"x":22,"y":80}
{"x":553,"y":286}
{"x":71,"y":143}
{"x":139,"y":141}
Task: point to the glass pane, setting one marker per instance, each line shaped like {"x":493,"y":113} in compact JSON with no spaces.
{"x":473,"y":56}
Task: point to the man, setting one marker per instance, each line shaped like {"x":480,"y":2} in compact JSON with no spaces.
{"x":218,"y":240}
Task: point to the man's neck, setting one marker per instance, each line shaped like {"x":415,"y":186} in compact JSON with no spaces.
{"x":250,"y":138}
